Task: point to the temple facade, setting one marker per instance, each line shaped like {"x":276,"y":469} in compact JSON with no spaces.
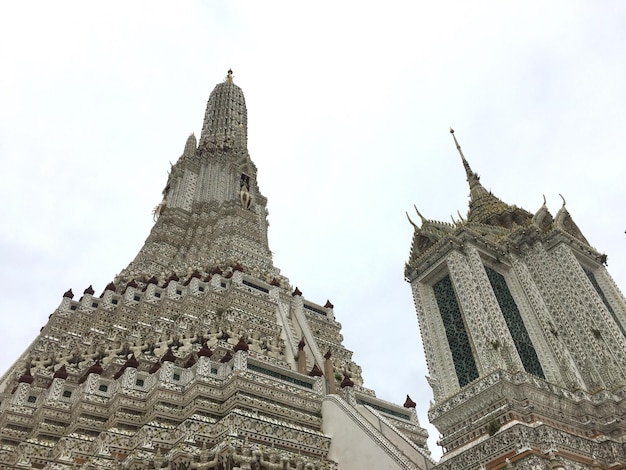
{"x":200,"y":354}
{"x":524,"y":333}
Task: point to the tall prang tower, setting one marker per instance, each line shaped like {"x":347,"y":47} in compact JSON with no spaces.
{"x":200,"y":354}
{"x":524,"y":334}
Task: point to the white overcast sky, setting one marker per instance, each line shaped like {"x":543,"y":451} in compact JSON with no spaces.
{"x":349,"y":105}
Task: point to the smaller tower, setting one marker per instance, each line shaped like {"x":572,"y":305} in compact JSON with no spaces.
{"x":523,"y":330}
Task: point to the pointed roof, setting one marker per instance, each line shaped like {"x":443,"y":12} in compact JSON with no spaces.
{"x":241,"y":345}
{"x":346,"y":382}
{"x":408,"y":403}
{"x":205,"y":351}
{"x":484,"y":207}
{"x":168,"y":356}
{"x":95,"y":368}
{"x":315,"y":371}
{"x":26,"y":377}
{"x":60,"y":373}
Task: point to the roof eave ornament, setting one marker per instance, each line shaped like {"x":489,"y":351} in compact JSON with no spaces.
{"x":412,"y":223}
{"x":422,"y":218}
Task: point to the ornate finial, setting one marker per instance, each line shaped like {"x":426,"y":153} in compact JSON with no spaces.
{"x":422,"y":218}
{"x":468,"y":170}
{"x":473,"y":179}
{"x":460,"y":216}
{"x":229,"y":77}
{"x":411,"y":222}
{"x":190,"y":147}
{"x":315,"y":371}
{"x":409,"y":403}
{"x":346,"y":382}
{"x":563,"y":199}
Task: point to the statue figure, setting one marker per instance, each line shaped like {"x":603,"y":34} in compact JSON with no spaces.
{"x":244,"y":196}
{"x":158,"y":210}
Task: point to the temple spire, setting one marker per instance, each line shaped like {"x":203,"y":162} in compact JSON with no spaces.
{"x":225,"y":125}
{"x":468,"y":170}
{"x":212,"y":196}
{"x":476,"y":189}
{"x":486,"y":208}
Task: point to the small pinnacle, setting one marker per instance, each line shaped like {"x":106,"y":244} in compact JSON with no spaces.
{"x":422,"y":218}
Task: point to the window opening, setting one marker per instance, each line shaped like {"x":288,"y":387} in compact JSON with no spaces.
{"x":244,"y":182}
{"x":515,"y":324}
{"x":459,"y":343}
